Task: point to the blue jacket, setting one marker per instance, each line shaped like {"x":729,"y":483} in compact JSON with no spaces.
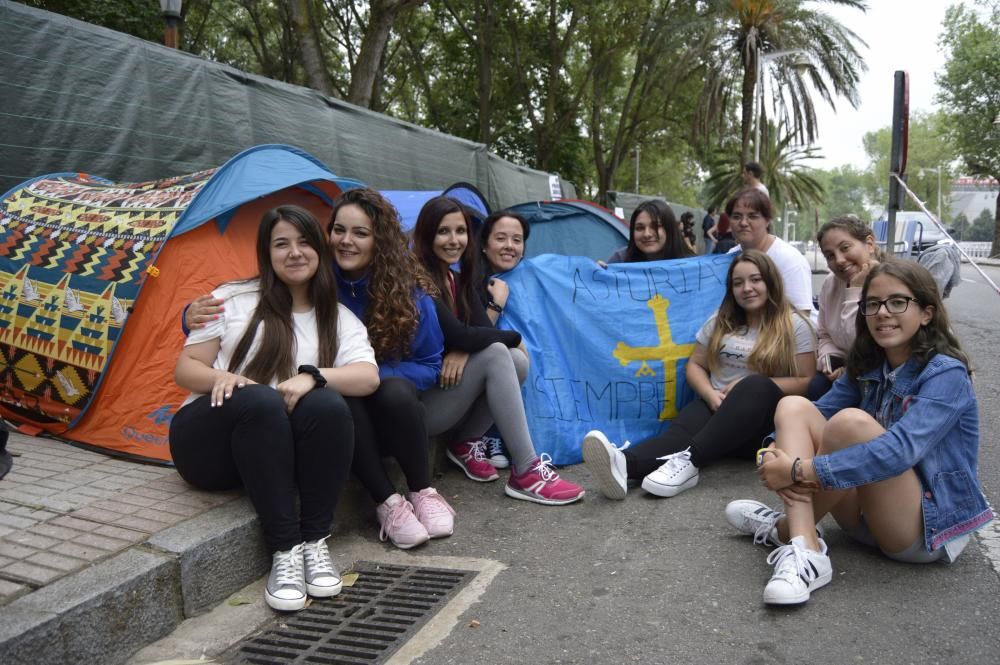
{"x":422,"y":364}
{"x":932,"y":426}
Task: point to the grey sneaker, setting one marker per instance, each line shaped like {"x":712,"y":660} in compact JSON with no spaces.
{"x":286,"y":586}
{"x":606,"y":463}
{"x":753,"y":518}
{"x":322,"y":578}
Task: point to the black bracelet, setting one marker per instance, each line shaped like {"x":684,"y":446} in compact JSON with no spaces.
{"x":314,"y":372}
{"x":795,"y":467}
{"x":495,"y":307}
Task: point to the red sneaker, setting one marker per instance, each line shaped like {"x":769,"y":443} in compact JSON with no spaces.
{"x":469,"y":455}
{"x":542,"y":484}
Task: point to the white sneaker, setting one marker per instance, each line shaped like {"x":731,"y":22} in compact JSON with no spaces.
{"x":676,"y":475}
{"x":322,"y":578}
{"x":286,"y":585}
{"x":753,"y":518}
{"x":798,"y":571}
{"x":606,"y":463}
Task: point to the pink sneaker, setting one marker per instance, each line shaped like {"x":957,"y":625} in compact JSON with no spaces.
{"x":433,"y":512}
{"x":470,"y":455}
{"x":542,"y":484}
{"x":399,"y":524}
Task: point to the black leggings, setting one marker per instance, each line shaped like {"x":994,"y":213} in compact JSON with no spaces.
{"x":251,"y":440}
{"x":745,"y":417}
{"x":390,"y":422}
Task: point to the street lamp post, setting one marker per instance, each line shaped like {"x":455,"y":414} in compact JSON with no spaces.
{"x":938,"y":169}
{"x":171,"y":12}
{"x":802,"y":60}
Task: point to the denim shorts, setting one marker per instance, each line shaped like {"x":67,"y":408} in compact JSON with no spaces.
{"x":917,"y":551}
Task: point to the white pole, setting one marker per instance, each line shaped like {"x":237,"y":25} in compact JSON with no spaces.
{"x":939,"y":192}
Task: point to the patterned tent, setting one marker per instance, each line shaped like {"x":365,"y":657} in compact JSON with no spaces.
{"x":94,"y":275}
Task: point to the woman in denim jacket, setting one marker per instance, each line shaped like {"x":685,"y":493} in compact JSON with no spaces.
{"x":891,"y":451}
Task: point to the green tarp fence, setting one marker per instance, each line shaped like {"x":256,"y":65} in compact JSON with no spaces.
{"x":78,"y":97}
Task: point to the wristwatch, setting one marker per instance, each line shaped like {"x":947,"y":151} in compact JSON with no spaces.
{"x":314,"y":372}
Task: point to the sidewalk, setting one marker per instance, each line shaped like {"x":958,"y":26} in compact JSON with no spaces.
{"x":99,"y":556}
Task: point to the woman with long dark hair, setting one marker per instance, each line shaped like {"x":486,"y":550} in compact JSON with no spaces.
{"x":653,"y":235}
{"x":266,"y":411}
{"x":479,"y":379}
{"x":380,"y":282}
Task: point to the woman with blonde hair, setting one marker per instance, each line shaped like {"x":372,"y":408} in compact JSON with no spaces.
{"x":752,"y":352}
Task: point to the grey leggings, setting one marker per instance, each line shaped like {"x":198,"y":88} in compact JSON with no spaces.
{"x":489,"y":392}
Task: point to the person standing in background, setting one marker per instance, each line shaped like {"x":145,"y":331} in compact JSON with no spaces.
{"x":709,"y":231}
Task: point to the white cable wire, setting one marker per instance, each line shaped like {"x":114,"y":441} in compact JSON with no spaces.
{"x":937,"y":223}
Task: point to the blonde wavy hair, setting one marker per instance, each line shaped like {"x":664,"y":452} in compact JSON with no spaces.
{"x":774,"y":351}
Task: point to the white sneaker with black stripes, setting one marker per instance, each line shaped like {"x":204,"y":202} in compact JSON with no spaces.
{"x":798,"y":571}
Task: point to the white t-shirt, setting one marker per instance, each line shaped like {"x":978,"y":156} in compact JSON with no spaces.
{"x":737,"y":347}
{"x":795,"y":273}
{"x":240,"y":302}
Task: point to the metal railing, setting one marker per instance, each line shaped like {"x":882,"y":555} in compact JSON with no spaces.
{"x":976,"y":250}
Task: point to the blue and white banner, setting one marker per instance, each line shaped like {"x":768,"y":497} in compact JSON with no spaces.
{"x":608,"y":346}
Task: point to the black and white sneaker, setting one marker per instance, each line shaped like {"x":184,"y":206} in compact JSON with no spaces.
{"x":798,"y":571}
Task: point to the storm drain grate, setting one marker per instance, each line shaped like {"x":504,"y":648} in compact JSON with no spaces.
{"x":364,"y":623}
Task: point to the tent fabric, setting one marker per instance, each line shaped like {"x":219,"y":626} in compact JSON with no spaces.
{"x":409,"y":203}
{"x":628,"y":202}
{"x":573,"y":228}
{"x":84,"y":98}
{"x":94,"y":275}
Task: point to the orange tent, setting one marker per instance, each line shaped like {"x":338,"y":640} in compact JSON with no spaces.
{"x":94,"y":276}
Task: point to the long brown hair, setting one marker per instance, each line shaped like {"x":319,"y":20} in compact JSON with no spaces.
{"x":275,"y":357}
{"x":934,"y":338}
{"x":426,"y":228}
{"x":662,"y":217}
{"x":774,"y":351}
{"x":852,"y":226}
{"x":391,"y":315}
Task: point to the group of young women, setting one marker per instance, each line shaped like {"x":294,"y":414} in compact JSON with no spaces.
{"x":347,"y":348}
{"x":871,"y":417}
{"x":350,"y":345}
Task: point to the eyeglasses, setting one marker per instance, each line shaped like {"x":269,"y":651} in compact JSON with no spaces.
{"x":893,"y":305}
{"x":752,"y":217}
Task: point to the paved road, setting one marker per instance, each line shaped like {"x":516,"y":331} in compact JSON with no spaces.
{"x":665,"y":580}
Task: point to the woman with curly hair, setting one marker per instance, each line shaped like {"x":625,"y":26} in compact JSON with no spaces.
{"x":479,"y":378}
{"x":379,"y":280}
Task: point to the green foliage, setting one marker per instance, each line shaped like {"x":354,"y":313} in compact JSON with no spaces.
{"x":981,"y":230}
{"x":930,"y":148}
{"x":140,"y":18}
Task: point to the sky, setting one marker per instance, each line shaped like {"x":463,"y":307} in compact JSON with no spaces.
{"x":901,"y":34}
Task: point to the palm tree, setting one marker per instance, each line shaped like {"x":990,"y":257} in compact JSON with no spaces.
{"x":820,"y":56}
{"x":787,"y":176}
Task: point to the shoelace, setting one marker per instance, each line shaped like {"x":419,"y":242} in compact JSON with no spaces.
{"x":317,"y":558}
{"x":676,"y":461}
{"x":288,"y":568}
{"x":478,"y":450}
{"x":762,"y":535}
{"x":435,"y":504}
{"x":494,"y":445}
{"x":790,"y":561}
{"x":396,"y":517}
{"x":544,"y":468}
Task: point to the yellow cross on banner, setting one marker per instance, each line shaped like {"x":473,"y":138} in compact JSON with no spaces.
{"x":666,"y":352}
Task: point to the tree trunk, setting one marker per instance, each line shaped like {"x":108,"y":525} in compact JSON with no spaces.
{"x":486,"y":23}
{"x":364,"y":74}
{"x":309,"y":49}
{"x":747,"y":119}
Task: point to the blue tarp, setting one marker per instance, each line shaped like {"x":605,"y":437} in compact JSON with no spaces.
{"x":409,"y":203}
{"x":608,"y":347}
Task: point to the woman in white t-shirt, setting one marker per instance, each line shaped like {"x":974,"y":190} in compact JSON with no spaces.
{"x":266,"y":410}
{"x":752,"y":352}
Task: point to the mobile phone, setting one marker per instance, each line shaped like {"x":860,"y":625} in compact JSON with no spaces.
{"x":831,"y":363}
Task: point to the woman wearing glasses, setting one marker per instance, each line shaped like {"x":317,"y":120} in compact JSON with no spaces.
{"x":750,"y":214}
{"x":891,"y":451}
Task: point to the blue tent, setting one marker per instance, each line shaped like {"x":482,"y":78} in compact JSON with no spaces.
{"x":573,"y":228}
{"x":409,"y":203}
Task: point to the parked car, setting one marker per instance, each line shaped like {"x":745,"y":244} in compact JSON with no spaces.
{"x":915,"y":232}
